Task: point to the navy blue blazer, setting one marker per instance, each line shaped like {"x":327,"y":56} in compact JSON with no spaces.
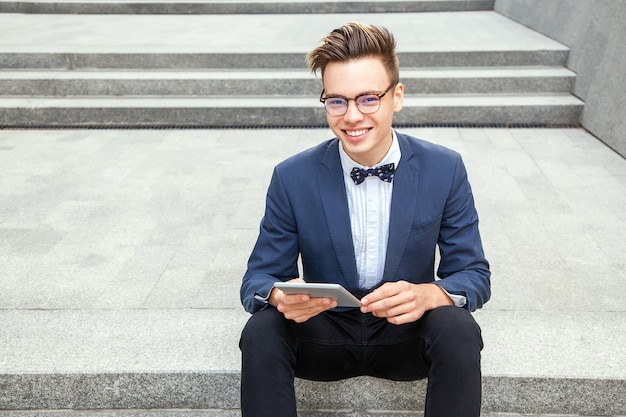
{"x":307,"y":215}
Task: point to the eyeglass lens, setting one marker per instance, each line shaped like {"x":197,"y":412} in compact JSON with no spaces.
{"x":366,"y":104}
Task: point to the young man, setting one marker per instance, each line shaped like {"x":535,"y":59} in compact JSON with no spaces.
{"x":374,"y":235}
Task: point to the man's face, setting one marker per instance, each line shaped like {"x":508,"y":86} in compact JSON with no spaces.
{"x":366,"y":138}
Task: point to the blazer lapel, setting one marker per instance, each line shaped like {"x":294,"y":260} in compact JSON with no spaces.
{"x":335,"y":202}
{"x":403,"y":203}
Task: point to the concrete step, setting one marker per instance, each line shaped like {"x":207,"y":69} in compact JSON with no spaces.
{"x":167,"y":60}
{"x":256,"y":41}
{"x":271,"y":82}
{"x":243,"y":7}
{"x":469,"y":109}
{"x":187,"y":359}
{"x":449,"y":73}
{"x":237,"y":413}
{"x":354,"y":397}
{"x":122,"y":251}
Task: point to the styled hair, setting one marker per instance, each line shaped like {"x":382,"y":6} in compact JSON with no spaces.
{"x":352,"y":41}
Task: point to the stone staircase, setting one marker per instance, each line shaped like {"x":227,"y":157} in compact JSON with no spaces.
{"x":241,"y":64}
{"x":242,"y":7}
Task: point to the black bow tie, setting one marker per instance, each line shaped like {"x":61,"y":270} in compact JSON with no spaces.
{"x":384,"y":172}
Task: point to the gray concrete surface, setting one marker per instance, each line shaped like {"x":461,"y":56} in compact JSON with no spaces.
{"x":216,"y":413}
{"x":121,"y":254}
{"x":121,"y":251}
{"x":261,"y":82}
{"x":596,"y":33}
{"x":426,"y":32}
{"x":239,"y":7}
{"x":98,"y":50}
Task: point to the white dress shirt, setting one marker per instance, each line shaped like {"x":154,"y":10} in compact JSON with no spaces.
{"x":369,"y":204}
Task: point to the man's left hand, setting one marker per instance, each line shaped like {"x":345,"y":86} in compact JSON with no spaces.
{"x":404,"y":302}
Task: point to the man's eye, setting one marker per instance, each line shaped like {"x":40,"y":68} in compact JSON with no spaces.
{"x":335,"y":101}
{"x":368,"y":100}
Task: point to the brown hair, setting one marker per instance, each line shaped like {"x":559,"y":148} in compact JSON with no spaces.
{"x":356,"y":40}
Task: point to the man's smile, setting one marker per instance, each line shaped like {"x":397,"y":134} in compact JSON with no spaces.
{"x":355,"y":133}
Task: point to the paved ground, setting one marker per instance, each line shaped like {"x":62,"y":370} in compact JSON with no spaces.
{"x":122,"y":250}
{"x":415,"y":32}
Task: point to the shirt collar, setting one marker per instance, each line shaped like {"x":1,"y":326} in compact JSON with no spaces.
{"x":393,"y":156}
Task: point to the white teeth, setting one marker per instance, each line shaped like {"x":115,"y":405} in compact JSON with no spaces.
{"x":356,"y":132}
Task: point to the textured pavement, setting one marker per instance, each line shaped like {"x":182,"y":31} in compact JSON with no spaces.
{"x":120,"y":65}
{"x":123,"y":250}
{"x":425,"y":32}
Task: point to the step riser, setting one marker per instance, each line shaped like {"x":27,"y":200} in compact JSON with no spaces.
{"x":267,"y":61}
{"x":221,"y":392}
{"x":286,"y":117}
{"x":247,"y":7}
{"x":231,"y":413}
{"x":264,"y":87}
{"x":513,"y":115}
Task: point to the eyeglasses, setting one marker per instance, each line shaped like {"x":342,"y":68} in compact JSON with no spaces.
{"x":366,"y":103}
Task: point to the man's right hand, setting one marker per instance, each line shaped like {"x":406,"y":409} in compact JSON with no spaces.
{"x":299,"y":307}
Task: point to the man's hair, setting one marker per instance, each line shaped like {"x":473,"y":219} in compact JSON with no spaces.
{"x":356,"y":40}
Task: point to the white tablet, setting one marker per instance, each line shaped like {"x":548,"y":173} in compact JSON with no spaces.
{"x":320,"y":290}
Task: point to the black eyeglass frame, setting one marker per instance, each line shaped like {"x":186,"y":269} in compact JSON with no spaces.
{"x":379,"y":95}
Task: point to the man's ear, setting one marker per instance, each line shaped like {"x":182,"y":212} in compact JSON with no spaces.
{"x":398,"y":96}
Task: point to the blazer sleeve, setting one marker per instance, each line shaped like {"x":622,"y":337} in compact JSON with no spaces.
{"x":463,"y":268}
{"x":275,"y":254}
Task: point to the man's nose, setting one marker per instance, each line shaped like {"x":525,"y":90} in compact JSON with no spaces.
{"x":353,"y":112}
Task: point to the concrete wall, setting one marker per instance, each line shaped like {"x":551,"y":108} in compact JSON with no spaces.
{"x":595,"y":30}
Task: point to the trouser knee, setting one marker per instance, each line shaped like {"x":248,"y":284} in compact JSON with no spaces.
{"x":264,"y":330}
{"x":455,"y":333}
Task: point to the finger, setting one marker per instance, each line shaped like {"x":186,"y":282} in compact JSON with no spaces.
{"x":305,"y":303}
{"x":294,"y":299}
{"x":303,"y":314}
{"x":387,"y":290}
{"x":391,"y":312}
{"x":406,"y":318}
{"x":399,"y":310}
{"x":394,"y":302}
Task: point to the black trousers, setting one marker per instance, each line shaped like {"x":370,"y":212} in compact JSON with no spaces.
{"x":444,"y":346}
